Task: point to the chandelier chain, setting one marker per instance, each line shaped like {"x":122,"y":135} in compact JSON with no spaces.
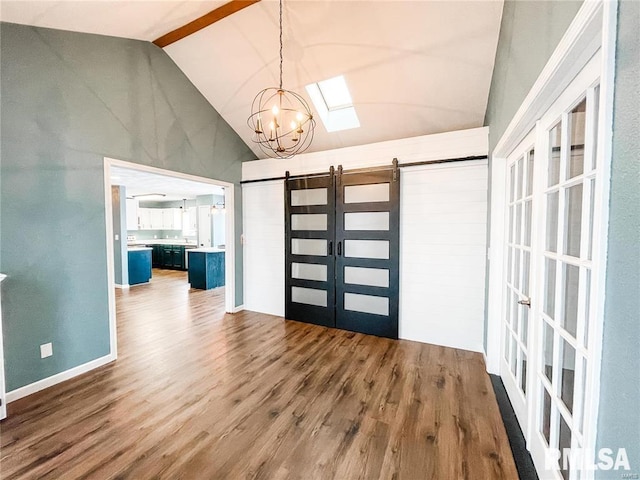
{"x":280,"y":44}
{"x":281,"y":120}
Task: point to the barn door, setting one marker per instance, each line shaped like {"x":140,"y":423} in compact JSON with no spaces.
{"x":367,"y":251}
{"x":342,"y":250}
{"x":310,"y":261}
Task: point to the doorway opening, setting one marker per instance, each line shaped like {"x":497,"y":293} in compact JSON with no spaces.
{"x":222,"y":206}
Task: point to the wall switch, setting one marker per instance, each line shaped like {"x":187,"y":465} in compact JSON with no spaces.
{"x":46,"y":350}
{"x":117,"y":237}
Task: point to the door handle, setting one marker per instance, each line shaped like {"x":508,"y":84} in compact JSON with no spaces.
{"x":330,"y":248}
{"x":525,"y":301}
{"x":339,"y":248}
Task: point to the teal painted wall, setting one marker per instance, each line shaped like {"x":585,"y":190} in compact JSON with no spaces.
{"x":68,"y":100}
{"x":619,"y":413}
{"x":529,"y":33}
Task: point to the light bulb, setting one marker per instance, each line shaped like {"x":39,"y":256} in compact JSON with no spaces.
{"x":275,"y":110}
{"x":293,"y":125}
{"x":299,"y":117}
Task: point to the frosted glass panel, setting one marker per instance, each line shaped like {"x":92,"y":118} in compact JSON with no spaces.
{"x":313,"y":221}
{"x":303,"y":246}
{"x":376,"y":192}
{"x":373,"y":277}
{"x":366,"y":304}
{"x":366,"y":249}
{"x":312,"y":196}
{"x":309,"y":271}
{"x":309,"y":296}
{"x":366,"y":221}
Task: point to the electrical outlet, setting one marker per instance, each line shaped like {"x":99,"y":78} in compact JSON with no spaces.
{"x":46,"y":350}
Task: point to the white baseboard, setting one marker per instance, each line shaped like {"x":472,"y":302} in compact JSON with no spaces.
{"x":237,"y":309}
{"x":57,"y":378}
{"x":124,"y":287}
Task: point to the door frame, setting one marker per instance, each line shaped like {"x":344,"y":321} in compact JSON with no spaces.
{"x":3,"y":389}
{"x":230,"y":254}
{"x":593,"y":28}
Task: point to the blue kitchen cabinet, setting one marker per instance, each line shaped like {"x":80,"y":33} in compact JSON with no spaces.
{"x":139,"y":265}
{"x":206,"y":268}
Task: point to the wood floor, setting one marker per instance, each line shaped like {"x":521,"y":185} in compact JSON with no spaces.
{"x":197,"y":394}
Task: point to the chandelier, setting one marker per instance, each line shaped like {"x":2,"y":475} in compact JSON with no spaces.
{"x":281,"y":120}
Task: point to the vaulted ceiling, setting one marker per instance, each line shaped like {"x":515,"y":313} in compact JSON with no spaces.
{"x":412,"y":67}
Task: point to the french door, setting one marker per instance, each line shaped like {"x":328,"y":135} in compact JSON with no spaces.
{"x":342,"y":250}
{"x":546,"y":361}
{"x":515,"y":362}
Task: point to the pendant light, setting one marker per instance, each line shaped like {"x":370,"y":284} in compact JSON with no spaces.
{"x":281,"y":120}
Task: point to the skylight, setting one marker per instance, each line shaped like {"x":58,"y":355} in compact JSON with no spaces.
{"x":333,"y":103}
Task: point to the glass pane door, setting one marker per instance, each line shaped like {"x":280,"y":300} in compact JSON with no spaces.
{"x":367,"y":253}
{"x":515,"y":363}
{"x":310,"y":263}
{"x":564,"y":264}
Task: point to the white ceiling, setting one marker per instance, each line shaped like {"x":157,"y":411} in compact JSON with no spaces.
{"x":413,"y":67}
{"x":139,"y":19}
{"x":138,"y":182}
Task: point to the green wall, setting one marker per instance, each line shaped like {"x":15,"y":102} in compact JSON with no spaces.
{"x":68,"y":100}
{"x":619,"y":413}
{"x":529,"y":33}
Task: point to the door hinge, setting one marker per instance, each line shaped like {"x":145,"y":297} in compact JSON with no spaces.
{"x":339,"y":179}
{"x":332,"y":172}
{"x":395,"y":169}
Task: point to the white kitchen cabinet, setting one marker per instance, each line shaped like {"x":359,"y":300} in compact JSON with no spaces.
{"x":144,"y":215}
{"x":172,"y":218}
{"x":160,"y":218}
{"x":190,"y":222}
{"x":157,"y":218}
{"x":132,"y":213}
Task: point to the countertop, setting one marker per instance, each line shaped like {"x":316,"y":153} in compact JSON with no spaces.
{"x":161,"y":241}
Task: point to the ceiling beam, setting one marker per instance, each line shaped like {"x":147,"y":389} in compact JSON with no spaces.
{"x":204,"y":21}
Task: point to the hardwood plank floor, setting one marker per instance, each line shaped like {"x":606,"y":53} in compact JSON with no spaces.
{"x":196,"y":393}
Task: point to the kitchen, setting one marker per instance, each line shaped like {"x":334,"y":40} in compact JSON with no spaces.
{"x":168,"y":223}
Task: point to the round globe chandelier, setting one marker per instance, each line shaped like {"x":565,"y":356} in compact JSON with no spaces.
{"x":281,"y":120}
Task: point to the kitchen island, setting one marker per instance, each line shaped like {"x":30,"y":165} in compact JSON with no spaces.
{"x":139,"y":265}
{"x":206,"y":267}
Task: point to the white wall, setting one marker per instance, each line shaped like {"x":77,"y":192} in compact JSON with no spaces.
{"x":263,"y":223}
{"x":442,"y":232}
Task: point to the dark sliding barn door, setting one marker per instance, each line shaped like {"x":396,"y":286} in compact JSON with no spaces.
{"x":342,"y":250}
{"x":309,"y":262}
{"x":367,"y":252}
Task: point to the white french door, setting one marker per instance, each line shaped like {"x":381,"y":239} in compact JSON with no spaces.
{"x":546,"y":360}
{"x":514,"y":362}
